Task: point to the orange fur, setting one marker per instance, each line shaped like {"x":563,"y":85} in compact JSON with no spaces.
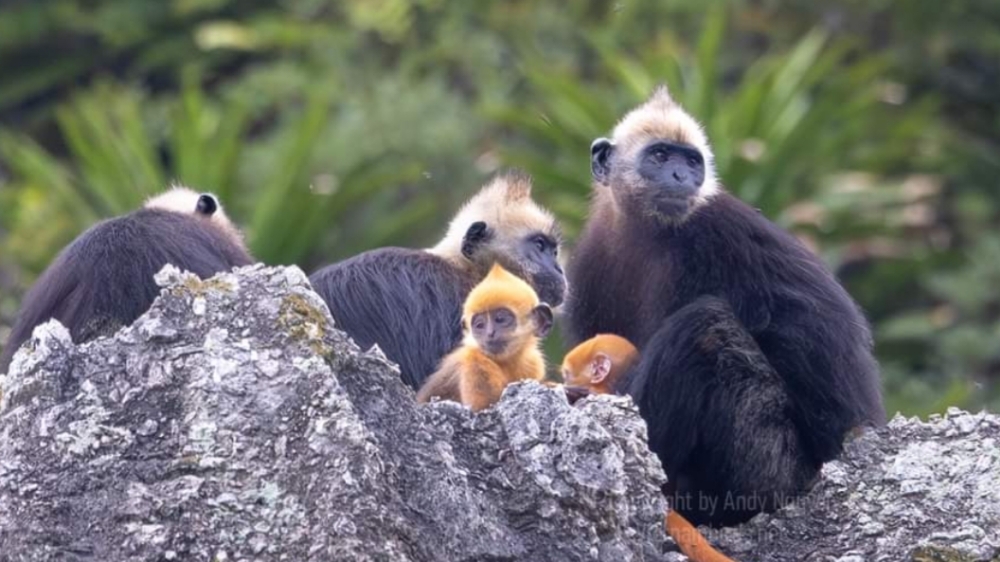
{"x":577,"y":366}
{"x":499,"y":289}
{"x":477,"y":378}
{"x":691,"y":542}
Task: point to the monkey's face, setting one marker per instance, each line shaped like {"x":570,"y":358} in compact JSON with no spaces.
{"x":575,"y":374}
{"x":535,"y":257}
{"x":658,"y":165}
{"x":661,"y":179}
{"x":501,"y":333}
{"x":531,"y":254}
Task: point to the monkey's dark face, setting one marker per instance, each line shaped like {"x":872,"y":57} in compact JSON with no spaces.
{"x":661,"y":179}
{"x":532,"y":256}
{"x":494,"y":330}
{"x":499,"y":332}
{"x":540,"y":263}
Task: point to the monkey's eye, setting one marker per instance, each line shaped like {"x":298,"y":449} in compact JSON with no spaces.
{"x":503,"y":317}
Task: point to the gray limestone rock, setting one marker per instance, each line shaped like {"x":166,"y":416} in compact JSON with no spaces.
{"x":914,"y":490}
{"x":232,"y":422}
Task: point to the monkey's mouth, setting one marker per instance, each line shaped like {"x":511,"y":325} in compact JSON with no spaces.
{"x":495,"y":347}
{"x":551,"y":289}
{"x":672,"y":205}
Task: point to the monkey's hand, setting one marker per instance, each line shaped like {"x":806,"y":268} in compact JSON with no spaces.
{"x":575,"y":393}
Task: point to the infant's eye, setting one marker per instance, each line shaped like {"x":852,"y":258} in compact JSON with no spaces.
{"x":503,"y":318}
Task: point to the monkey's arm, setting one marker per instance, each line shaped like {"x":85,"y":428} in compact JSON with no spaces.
{"x":691,"y":542}
{"x":444,"y":382}
{"x":481,"y":385}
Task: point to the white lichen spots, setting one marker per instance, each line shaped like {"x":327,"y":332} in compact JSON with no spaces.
{"x":268,"y":494}
{"x":45,"y":339}
{"x":223,"y":369}
{"x":153,"y":534}
{"x":89,"y":433}
{"x":257,"y":544}
{"x":171,"y":275}
{"x":198,"y":306}
{"x":834,"y":472}
{"x":376,"y":352}
{"x":201,"y":436}
{"x":964,"y":422}
{"x":294,"y":277}
{"x":211,"y":462}
{"x":911,"y":467}
{"x":216,"y":339}
{"x":269,"y":368}
{"x":152,"y":328}
{"x":148,"y":428}
{"x":159,"y":375}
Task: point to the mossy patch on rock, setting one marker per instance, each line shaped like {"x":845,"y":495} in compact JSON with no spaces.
{"x":304,"y":322}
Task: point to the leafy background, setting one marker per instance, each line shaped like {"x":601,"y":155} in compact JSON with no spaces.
{"x":870,"y":128}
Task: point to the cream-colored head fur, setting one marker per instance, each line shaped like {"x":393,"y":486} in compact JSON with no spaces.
{"x":506,"y":206}
{"x":180,"y":199}
{"x":660,"y":117}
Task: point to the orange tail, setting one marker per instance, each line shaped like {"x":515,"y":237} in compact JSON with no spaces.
{"x":690,"y":540}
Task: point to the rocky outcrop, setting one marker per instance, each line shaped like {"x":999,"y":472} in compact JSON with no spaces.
{"x":232,"y":422}
{"x":915,"y":491}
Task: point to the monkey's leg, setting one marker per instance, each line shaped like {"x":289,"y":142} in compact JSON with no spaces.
{"x":690,"y":540}
{"x":719,"y":417}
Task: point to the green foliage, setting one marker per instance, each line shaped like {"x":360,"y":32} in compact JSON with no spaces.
{"x":328,"y":127}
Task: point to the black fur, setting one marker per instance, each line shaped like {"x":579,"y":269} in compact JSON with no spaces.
{"x":103,"y":280}
{"x":407,"y":301}
{"x":756,"y":362}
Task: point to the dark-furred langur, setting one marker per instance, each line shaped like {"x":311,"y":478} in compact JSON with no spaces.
{"x":755,"y":363}
{"x":103,"y":280}
{"x":409,"y":301}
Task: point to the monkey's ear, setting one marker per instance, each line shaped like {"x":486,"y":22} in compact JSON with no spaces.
{"x":600,"y":368}
{"x":541,"y":316}
{"x":206,"y":205}
{"x":475,"y":236}
{"x":600,"y":159}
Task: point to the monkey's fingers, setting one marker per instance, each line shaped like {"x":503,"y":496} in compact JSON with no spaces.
{"x":691,"y":541}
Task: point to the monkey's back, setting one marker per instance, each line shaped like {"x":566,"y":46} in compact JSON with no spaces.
{"x":407,"y":301}
{"x":104,"y":279}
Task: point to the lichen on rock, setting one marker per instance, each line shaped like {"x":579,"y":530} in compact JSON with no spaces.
{"x":233,"y":422}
